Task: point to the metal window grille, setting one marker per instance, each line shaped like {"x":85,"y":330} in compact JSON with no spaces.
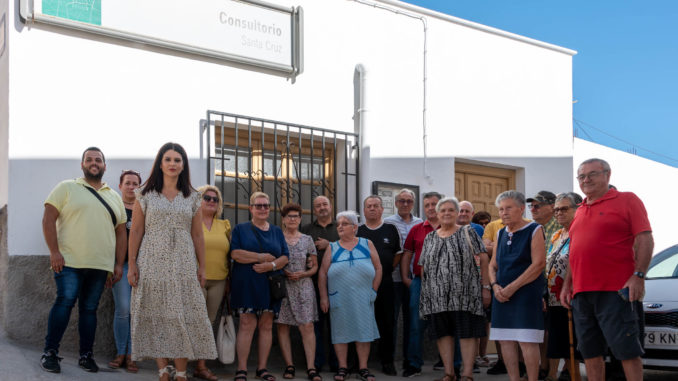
{"x":287,"y":161}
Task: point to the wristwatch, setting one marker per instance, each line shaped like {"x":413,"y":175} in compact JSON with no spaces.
{"x":487,"y":287}
{"x":273,"y":263}
{"x":639,"y":274}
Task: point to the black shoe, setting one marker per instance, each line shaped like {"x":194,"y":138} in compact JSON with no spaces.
{"x":87,"y":363}
{"x":411,"y":371}
{"x":564,"y":375}
{"x":498,"y":368}
{"x":476,"y":369}
{"x":439,"y":365}
{"x":457,"y":371}
{"x":50,"y":361}
{"x":543,"y":373}
{"x":389,"y":369}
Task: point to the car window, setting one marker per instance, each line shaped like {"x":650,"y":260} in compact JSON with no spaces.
{"x":667,"y":267}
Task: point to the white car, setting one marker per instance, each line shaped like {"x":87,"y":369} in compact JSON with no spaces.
{"x":661,"y":311}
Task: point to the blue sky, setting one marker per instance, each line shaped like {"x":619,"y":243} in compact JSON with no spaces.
{"x":625,"y":74}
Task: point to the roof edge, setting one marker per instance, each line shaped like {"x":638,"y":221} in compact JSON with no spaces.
{"x":474,"y":25}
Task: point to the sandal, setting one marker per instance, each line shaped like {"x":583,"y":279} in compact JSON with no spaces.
{"x":130,"y":365}
{"x":466,"y":378}
{"x":264,"y":375}
{"x":341,"y":374}
{"x":290,"y":372}
{"x":365,"y":375}
{"x":204,"y":374}
{"x":240,"y":375}
{"x":448,"y":377}
{"x":167,"y":370}
{"x":178,"y":374}
{"x":117,"y":362}
{"x":313,"y":375}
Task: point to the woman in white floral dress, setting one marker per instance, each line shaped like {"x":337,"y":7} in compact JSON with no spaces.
{"x":167,"y":268}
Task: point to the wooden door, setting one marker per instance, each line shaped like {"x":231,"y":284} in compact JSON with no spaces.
{"x":480,"y":185}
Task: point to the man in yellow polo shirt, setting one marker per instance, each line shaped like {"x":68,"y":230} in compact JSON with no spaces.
{"x":84,"y":228}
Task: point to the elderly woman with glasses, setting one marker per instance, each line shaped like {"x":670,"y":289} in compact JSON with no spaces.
{"x":347,"y":282}
{"x":455,"y":288}
{"x":299,"y":307}
{"x":517,"y":279}
{"x":557,"y":266}
{"x":259,"y":250}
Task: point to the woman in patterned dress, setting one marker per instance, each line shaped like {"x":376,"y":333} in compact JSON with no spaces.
{"x":347,"y":282}
{"x":167,"y":268}
{"x":299,"y":307}
{"x":455,"y":288}
{"x":557,"y":266}
{"x":517,"y":278}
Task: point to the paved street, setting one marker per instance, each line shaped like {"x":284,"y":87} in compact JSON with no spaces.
{"x":18,"y":362}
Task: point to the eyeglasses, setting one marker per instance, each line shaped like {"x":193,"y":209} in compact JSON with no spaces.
{"x":561,"y":209}
{"x":209,"y":198}
{"x":405,"y":201}
{"x":535,"y":206}
{"x":293,"y":216}
{"x":590,"y":175}
{"x":261,"y":206}
{"x":342,"y":224}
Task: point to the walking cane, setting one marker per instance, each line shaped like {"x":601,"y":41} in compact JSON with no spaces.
{"x":573,"y":375}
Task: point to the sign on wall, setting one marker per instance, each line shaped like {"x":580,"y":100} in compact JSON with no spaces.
{"x":388,"y":192}
{"x":245,"y":31}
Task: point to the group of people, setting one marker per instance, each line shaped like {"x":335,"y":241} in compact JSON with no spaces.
{"x":172,"y":262}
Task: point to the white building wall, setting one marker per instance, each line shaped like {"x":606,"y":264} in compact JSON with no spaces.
{"x":487,"y":93}
{"x":653,"y":182}
{"x":4,"y":103}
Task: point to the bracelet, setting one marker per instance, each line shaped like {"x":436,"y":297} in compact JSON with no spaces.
{"x":273,"y":263}
{"x":493,"y":284}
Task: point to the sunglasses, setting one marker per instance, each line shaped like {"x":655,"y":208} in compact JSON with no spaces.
{"x":130,"y":172}
{"x":209,"y":198}
{"x":261,"y":206}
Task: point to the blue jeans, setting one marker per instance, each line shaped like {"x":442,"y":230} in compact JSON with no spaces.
{"x":417,"y":326}
{"x":85,"y":286}
{"x":122,"y":293}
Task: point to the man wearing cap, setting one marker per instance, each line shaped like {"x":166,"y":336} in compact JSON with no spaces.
{"x":610,"y":251}
{"x":541,"y":207}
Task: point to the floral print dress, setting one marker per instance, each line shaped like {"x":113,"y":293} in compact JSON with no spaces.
{"x":168,"y":311}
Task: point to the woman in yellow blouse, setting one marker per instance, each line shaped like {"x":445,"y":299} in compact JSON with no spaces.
{"x":217,"y":234}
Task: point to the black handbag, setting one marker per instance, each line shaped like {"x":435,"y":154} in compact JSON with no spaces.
{"x":276,"y":280}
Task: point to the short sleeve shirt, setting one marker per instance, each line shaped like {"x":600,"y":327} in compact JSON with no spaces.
{"x":85,"y":232}
{"x":216,"y":249}
{"x":403,"y":229}
{"x":602,"y":235}
{"x":386,"y":240}
{"x":415,"y":242}
{"x":492,"y":228}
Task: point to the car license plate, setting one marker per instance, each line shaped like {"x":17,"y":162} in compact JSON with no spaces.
{"x":661,"y":337}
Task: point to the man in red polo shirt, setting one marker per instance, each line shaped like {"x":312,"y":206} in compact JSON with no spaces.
{"x":412,"y":247}
{"x":610,"y":251}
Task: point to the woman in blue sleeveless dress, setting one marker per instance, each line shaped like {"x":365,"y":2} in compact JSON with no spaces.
{"x":347,"y":280}
{"x":517,"y":277}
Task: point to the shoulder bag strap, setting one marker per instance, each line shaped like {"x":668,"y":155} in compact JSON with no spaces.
{"x":110,"y":211}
